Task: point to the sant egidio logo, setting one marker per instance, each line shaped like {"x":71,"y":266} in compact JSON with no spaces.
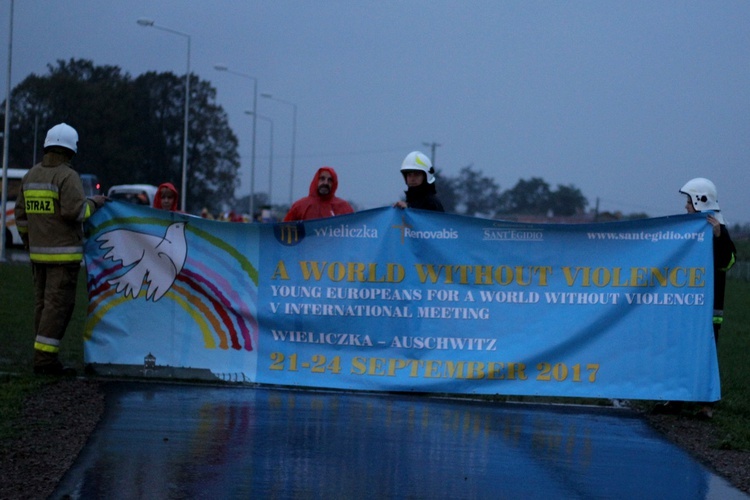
{"x":289,"y":234}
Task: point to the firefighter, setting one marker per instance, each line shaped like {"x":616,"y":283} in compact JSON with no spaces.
{"x":419,"y":176}
{"x":50,"y":211}
{"x":702,"y":197}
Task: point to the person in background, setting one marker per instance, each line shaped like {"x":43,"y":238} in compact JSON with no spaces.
{"x":702,"y":197}
{"x":50,"y":211}
{"x":321,"y":200}
{"x":166,"y":197}
{"x":419,"y":176}
{"x":266,"y":215}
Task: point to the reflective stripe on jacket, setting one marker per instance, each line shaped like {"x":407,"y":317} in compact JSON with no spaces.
{"x":50,"y":210}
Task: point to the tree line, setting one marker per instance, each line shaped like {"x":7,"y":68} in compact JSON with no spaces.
{"x":131,"y":131}
{"x":473,"y":193}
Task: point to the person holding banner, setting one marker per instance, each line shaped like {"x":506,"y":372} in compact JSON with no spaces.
{"x":321,"y":201}
{"x":166,"y":197}
{"x":419,"y":176}
{"x":702,"y":197}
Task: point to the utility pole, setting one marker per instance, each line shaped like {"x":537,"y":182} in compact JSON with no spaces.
{"x":6,"y":144}
{"x":596,"y":210}
{"x":432,"y":146}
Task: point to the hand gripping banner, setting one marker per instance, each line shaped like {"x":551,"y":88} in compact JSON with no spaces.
{"x":406,"y":300}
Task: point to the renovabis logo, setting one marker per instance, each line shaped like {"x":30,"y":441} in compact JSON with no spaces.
{"x":408,"y":231}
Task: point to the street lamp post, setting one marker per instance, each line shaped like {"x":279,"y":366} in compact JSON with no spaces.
{"x":183,"y":191}
{"x":432,"y":146}
{"x":294,"y":135}
{"x":270,"y":155}
{"x":6,"y":142}
{"x":223,"y":67}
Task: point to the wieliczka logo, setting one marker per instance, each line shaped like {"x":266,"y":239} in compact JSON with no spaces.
{"x":346,"y":231}
{"x":408,"y":231}
{"x":289,"y":234}
{"x":512,"y":234}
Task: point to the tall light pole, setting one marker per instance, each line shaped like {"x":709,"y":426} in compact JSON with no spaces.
{"x":183,"y":190}
{"x":432,"y":146}
{"x":6,"y":142}
{"x":270,"y":155}
{"x":223,"y":67}
{"x":36,"y":131}
{"x":294,"y":136}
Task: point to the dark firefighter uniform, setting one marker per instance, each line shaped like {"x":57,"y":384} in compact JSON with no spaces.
{"x":50,"y":210}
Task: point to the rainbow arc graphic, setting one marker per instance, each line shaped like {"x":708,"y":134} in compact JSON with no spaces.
{"x":216,"y":289}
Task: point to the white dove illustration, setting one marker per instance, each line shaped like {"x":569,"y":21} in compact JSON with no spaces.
{"x":158,"y":260}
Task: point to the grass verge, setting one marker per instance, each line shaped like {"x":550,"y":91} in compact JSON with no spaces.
{"x":12,"y":391}
{"x":16,"y":341}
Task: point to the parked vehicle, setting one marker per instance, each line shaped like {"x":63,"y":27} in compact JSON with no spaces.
{"x":140,"y":194}
{"x":91,"y":185}
{"x":12,"y":238}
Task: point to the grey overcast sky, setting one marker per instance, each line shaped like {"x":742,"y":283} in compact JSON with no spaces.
{"x":625,"y":100}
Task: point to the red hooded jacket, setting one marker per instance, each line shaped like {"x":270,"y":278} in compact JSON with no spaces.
{"x":157,"y":196}
{"x":315,"y":206}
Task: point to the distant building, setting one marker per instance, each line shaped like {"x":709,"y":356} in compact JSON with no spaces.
{"x":149,"y":363}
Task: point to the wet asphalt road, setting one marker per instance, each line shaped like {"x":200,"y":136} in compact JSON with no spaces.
{"x":186,"y":441}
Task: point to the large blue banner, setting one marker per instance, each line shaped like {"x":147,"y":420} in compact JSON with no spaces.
{"x":405,"y":300}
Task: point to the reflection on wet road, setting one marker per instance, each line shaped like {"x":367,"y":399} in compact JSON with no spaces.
{"x":182,"y":441}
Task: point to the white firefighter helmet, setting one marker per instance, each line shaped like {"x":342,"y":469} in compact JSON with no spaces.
{"x":702,"y":193}
{"x":62,"y":135}
{"x":418,"y":161}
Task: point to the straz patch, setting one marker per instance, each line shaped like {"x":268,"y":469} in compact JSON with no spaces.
{"x":40,"y":206}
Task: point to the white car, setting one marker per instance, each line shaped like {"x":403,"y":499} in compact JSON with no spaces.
{"x":15,"y":175}
{"x":140,"y":194}
{"x":91,"y":185}
{"x":12,"y":238}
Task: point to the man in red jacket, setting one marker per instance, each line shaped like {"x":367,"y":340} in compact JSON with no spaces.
{"x":322,"y":201}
